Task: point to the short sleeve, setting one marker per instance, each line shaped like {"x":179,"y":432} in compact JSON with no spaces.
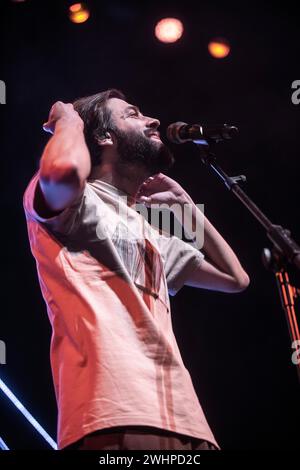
{"x":64,"y":222}
{"x":180,"y":260}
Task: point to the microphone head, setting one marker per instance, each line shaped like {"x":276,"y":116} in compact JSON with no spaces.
{"x":173,"y":132}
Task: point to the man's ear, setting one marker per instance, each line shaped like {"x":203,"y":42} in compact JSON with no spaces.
{"x":105,"y":139}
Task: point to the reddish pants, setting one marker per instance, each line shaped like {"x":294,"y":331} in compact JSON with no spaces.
{"x":139,"y":438}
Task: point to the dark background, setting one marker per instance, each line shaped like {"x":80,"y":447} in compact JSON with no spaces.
{"x":237,"y":346}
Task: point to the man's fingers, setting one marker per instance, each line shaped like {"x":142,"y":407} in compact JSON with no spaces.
{"x":151,"y":182}
{"x":58,"y":109}
{"x":49,"y":126}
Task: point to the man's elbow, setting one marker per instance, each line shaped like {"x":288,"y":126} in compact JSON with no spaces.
{"x":241,"y":282}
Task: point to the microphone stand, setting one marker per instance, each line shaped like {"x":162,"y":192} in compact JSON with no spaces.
{"x":284,"y":249}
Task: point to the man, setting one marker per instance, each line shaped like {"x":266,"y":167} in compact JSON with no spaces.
{"x":105,"y":273}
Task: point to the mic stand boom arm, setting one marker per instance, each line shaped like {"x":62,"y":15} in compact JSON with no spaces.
{"x":284,"y":248}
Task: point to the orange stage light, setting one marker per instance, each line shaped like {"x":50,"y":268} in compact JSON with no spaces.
{"x":78,"y":13}
{"x":219,"y":48}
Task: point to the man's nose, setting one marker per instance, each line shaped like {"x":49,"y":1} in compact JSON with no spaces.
{"x":153,"y":122}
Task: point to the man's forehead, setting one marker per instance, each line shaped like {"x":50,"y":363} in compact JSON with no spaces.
{"x":117,"y":105}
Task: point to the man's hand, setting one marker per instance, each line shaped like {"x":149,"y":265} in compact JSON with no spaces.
{"x":161,"y":189}
{"x":63,"y":111}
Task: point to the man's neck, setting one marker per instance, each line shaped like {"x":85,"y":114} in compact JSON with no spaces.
{"x":127,"y":178}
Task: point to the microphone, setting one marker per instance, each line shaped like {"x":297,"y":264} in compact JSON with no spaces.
{"x":181,"y":132}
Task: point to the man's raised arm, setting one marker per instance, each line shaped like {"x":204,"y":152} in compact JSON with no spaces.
{"x":65,"y":163}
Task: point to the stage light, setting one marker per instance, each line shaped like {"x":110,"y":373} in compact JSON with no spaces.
{"x":3,"y":445}
{"x":169,"y":30}
{"x":78,"y":13}
{"x":27,"y":415}
{"x":219,"y":48}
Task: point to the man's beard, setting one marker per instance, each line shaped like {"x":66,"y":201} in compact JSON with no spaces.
{"x":142,"y":152}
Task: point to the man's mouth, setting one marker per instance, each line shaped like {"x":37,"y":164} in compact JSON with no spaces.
{"x":154,"y":135}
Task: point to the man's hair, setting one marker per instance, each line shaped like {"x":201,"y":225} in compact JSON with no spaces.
{"x":97,"y":119}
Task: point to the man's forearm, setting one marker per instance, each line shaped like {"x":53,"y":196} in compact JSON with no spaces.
{"x":215,"y":248}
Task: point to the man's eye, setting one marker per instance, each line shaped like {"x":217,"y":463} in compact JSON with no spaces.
{"x":133,"y":113}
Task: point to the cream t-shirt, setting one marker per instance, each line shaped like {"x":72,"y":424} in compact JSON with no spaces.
{"x":105,"y":275}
